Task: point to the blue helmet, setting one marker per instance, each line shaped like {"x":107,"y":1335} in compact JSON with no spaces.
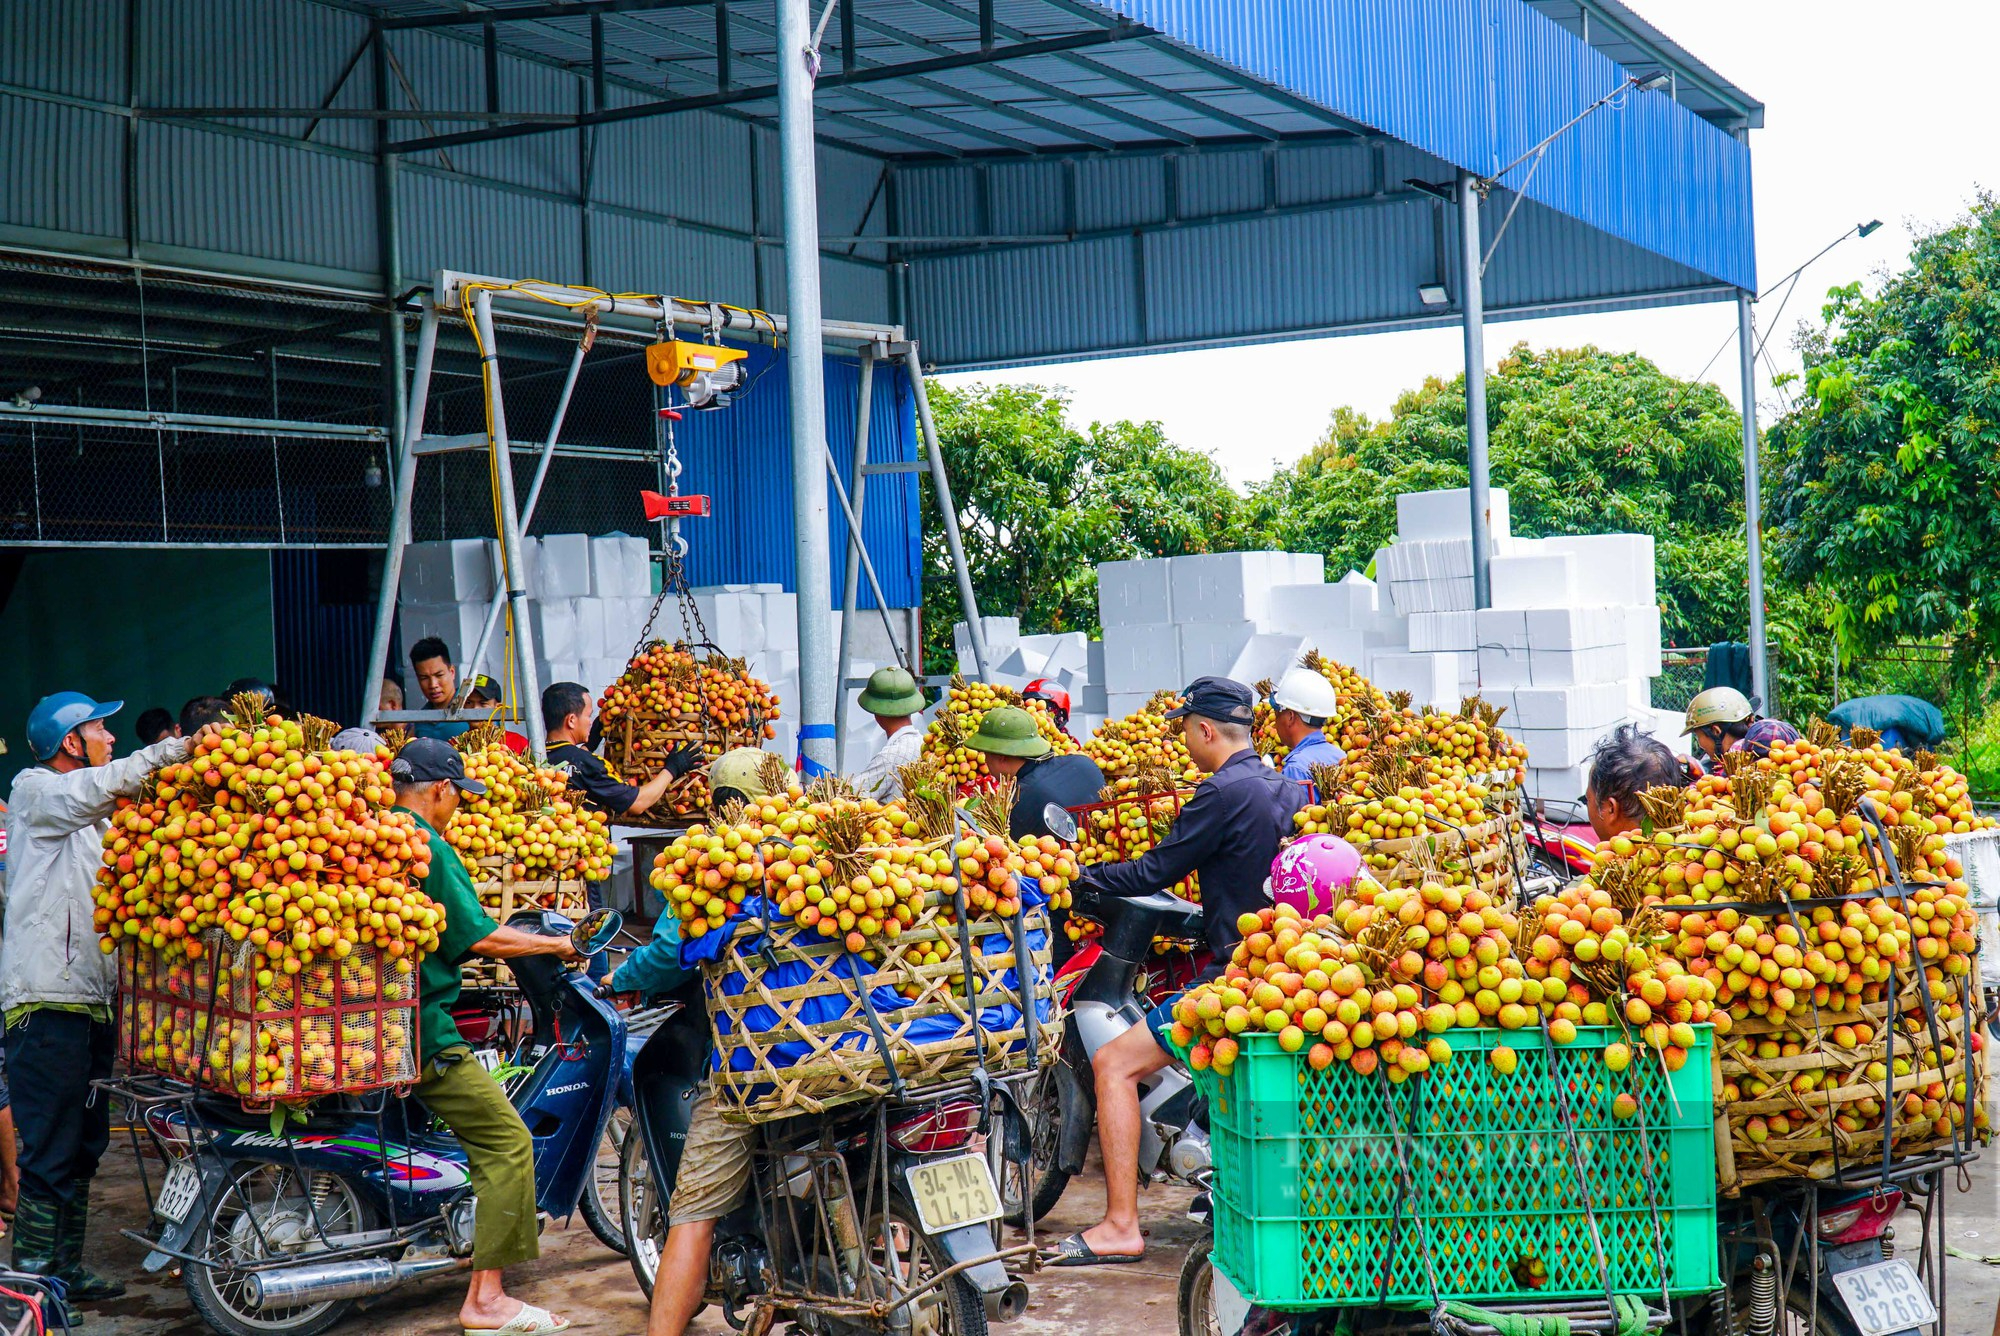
{"x":56,"y":717}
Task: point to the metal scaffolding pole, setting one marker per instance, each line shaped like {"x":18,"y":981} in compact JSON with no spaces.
{"x":528,"y":517}
{"x":1473,"y":306}
{"x":968,"y":603}
{"x":1746,"y":338}
{"x":528,"y":684}
{"x":851,"y":580}
{"x":813,"y":556}
{"x":399,"y":513}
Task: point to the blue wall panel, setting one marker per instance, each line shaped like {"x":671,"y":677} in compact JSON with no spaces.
{"x":741,"y":456}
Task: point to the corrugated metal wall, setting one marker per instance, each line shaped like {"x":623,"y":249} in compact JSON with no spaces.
{"x":741,"y":456}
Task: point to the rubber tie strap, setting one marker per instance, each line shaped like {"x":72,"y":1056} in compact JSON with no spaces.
{"x":806,"y":766}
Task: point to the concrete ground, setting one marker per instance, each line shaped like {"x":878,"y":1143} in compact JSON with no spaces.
{"x":577,"y":1277}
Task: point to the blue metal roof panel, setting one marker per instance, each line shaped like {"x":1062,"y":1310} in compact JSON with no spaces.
{"x":1440,"y":75}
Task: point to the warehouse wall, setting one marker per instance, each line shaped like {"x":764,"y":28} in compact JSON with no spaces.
{"x":148,"y":628}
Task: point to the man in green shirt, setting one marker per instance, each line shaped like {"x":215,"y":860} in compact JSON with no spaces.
{"x":429,"y":776}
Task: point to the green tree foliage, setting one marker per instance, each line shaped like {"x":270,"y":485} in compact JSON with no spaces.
{"x":1040,"y":503}
{"x":1584,"y":441}
{"x":1886,"y":475}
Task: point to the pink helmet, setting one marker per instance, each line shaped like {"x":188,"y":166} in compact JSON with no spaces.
{"x":1309,"y":874}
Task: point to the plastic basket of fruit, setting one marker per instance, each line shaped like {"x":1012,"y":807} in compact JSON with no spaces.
{"x":1123,"y":826}
{"x":225,"y":1020}
{"x":801,"y":1024}
{"x":1489,"y":1177}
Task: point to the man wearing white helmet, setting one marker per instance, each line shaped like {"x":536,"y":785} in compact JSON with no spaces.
{"x":1305,"y":703}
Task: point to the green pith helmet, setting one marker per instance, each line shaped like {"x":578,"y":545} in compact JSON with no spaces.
{"x":892,"y":693}
{"x":1009,"y":730}
{"x":741,"y":769}
{"x":1717,"y":705}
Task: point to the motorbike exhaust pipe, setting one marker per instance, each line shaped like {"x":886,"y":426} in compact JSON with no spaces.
{"x":302,"y":1286}
{"x":1004,"y":1305}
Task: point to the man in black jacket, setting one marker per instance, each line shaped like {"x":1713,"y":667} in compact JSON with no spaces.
{"x":1228,"y":832}
{"x":1013,"y":746}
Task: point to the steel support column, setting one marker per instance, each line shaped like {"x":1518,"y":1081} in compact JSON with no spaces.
{"x":527,"y":686}
{"x":1746,"y":338}
{"x":813,"y":557}
{"x":850,"y":584}
{"x":948,"y":510}
{"x":1472,"y":306}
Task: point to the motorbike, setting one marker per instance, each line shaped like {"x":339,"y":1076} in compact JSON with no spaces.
{"x":1103,"y":998}
{"x":283,"y":1228}
{"x":872,"y":1218}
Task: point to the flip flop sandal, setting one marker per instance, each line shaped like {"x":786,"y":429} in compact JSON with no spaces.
{"x":530,"y":1321}
{"x":1074,"y":1251}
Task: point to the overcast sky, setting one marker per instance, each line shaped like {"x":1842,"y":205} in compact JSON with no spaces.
{"x":1870,"y":113}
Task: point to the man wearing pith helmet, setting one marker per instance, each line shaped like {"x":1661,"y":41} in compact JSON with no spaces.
{"x":893,"y":697}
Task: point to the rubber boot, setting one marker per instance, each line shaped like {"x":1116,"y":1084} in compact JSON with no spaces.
{"x":85,"y":1285}
{"x":35,"y":1221}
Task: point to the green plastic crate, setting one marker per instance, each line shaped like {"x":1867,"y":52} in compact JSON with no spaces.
{"x":1309,"y":1212}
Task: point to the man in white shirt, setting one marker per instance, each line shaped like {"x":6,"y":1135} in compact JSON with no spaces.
{"x":893,"y":697}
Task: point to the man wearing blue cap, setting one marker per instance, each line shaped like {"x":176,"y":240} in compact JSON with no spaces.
{"x":56,"y":985}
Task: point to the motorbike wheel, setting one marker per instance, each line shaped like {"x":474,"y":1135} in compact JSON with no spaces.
{"x":1795,"y":1313}
{"x":641,"y":1213}
{"x":897,"y":1245}
{"x":1195,"y":1298}
{"x":268,"y":1204}
{"x":601,"y":1209}
{"x":1045,"y":1114}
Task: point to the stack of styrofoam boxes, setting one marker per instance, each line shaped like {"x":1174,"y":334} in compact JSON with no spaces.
{"x":587,"y":599}
{"x":1141,"y":645}
{"x":1571,"y":646}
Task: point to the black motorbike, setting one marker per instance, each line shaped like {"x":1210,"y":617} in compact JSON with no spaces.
{"x":876,"y":1217}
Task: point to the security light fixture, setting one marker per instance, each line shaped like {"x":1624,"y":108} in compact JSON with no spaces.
{"x":1433,"y":294}
{"x":371,"y":475}
{"x":1653,"y":82}
{"x":1865,"y":228}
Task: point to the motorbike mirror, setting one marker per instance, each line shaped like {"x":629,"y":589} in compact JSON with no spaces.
{"x":595,"y":930}
{"x":1060,"y":823}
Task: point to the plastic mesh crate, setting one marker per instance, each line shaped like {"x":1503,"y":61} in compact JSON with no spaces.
{"x":1310,"y":1205}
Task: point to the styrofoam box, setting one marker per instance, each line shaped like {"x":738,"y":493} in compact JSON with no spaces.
{"x":1551,"y":667}
{"x":1210,"y":649}
{"x":457,"y":570}
{"x":1431,"y":632}
{"x":1597,"y":705}
{"x":1092,"y":699}
{"x":1642,"y":639}
{"x":1299,"y":609}
{"x":1575,"y":628}
{"x":1431,"y":679}
{"x":1501,"y":628}
{"x":600,"y":673}
{"x":591,"y":638}
{"x":1225,"y":586}
{"x":564,"y":569}
{"x":1558,"y":748}
{"x":1448,"y":514}
{"x":613,"y":571}
{"x":1615,"y":568}
{"x":735,"y":620}
{"x":1050,"y":655}
{"x":552,"y":671}
{"x":1093,"y":664}
{"x":1267,"y":656}
{"x":1306,"y":568}
{"x":780,"y":612}
{"x":1141,"y":660}
{"x":1135,"y":593}
{"x":1534,"y":580}
{"x":1002,"y":634}
{"x":1349,"y":648}
{"x":555,"y":628}
{"x":1560,"y":785}
{"x":1444,"y":594}
{"x":1120,"y":704}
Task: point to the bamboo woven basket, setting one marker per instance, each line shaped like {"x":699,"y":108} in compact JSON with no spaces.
{"x":636,"y":747}
{"x":1496,"y":850}
{"x":1818,"y":1147}
{"x":842,"y":1061}
{"x":502,"y":896}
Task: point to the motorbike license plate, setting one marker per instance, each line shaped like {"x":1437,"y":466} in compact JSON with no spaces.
{"x":954,"y":1192}
{"x":1885,"y":1297}
{"x":178,"y":1195}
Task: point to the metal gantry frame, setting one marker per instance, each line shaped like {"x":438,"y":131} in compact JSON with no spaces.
{"x":822,"y":674}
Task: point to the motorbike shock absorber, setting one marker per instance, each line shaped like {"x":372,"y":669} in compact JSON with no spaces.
{"x":1763,"y":1314}
{"x":1888,"y":1242}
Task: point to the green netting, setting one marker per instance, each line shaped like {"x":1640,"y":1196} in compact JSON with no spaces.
{"x":1310,"y":1210}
